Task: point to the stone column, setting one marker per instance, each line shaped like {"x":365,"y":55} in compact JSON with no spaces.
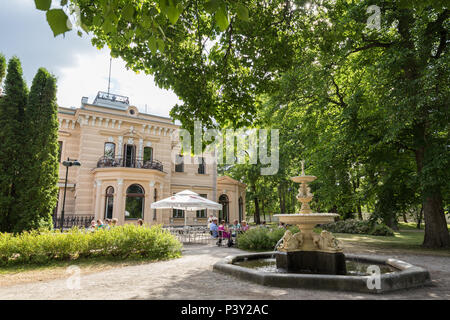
{"x":161,"y":196}
{"x":102,"y":204}
{"x":152,"y":199}
{"x":119,"y":203}
{"x":119,"y":147}
{"x":141,"y":149}
{"x":148,"y":216}
{"x":98,"y":198}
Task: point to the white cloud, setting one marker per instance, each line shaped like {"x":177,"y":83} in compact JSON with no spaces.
{"x":81,"y":69}
{"x":88,"y":74}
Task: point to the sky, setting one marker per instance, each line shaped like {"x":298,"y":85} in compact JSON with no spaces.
{"x":80,"y":68}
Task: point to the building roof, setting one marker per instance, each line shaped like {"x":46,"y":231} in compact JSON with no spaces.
{"x":229,"y":180}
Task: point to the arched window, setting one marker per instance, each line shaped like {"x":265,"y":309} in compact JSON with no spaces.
{"x":109,"y":203}
{"x":110,"y":150}
{"x":134,"y":207}
{"x":224,"y":213}
{"x":241,"y":209}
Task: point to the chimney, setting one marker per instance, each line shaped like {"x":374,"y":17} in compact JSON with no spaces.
{"x":84,"y":100}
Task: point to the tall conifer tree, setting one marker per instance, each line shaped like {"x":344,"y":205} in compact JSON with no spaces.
{"x":38,"y":193}
{"x":2,"y":70}
{"x":12,"y":112}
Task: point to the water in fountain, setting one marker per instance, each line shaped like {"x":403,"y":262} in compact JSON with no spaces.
{"x":278,"y":243}
{"x":353,"y":267}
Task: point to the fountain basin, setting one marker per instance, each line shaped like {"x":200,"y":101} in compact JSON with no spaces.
{"x":402,"y":276}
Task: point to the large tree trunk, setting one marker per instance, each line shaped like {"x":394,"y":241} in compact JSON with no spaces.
{"x":436,"y":231}
{"x":405,"y":220}
{"x":358,"y":208}
{"x":263,"y":208}
{"x":257,"y":214}
{"x":391,"y":222}
{"x":419,"y":218}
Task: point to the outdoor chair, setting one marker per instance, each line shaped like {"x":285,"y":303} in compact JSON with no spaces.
{"x":222,"y":241}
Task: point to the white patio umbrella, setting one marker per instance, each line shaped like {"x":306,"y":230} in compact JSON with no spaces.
{"x":186,"y":200}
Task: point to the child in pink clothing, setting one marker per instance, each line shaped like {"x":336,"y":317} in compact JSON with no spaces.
{"x":224,"y":229}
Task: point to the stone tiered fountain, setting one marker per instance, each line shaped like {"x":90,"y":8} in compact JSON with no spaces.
{"x":307,"y":251}
{"x":310,"y":260}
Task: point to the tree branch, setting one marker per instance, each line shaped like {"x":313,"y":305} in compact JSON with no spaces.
{"x":338,"y":93}
{"x":374,"y":44}
{"x":230,"y":44}
{"x":443,"y":33}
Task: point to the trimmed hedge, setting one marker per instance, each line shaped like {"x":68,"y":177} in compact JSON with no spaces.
{"x":128,"y":241}
{"x":358,"y":227}
{"x":260,"y":238}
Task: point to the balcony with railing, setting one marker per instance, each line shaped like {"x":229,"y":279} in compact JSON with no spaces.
{"x":116,"y":162}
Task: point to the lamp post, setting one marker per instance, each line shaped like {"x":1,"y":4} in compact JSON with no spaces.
{"x":68,"y":163}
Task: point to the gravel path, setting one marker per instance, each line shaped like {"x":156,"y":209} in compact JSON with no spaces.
{"x":191,"y":277}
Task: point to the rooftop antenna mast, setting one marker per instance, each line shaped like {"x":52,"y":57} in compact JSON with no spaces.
{"x":109,"y":79}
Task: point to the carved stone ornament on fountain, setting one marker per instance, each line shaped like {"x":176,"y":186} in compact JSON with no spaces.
{"x":325,"y":242}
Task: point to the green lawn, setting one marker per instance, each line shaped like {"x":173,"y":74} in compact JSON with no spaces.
{"x":408,"y":241}
{"x":413,"y":226}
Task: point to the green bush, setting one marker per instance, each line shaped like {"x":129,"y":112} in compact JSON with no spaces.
{"x":260,"y":238}
{"x":128,"y":241}
{"x":358,"y":227}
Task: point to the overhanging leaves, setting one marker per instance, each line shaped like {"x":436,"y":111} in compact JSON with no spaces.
{"x":58,"y":21}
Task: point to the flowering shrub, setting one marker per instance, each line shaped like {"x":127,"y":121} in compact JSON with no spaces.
{"x":128,"y":241}
{"x":260,"y":238}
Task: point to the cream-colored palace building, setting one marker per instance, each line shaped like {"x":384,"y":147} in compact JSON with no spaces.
{"x":126,"y":164}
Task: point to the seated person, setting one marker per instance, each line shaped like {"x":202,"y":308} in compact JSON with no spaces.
{"x":235,"y":228}
{"x":222,"y":227}
{"x":214,"y":229}
{"x":93,"y":226}
{"x":225,"y":233}
{"x":244,"y":226}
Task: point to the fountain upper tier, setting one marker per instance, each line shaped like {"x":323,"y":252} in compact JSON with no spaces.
{"x":302,"y":179}
{"x":307,"y":218}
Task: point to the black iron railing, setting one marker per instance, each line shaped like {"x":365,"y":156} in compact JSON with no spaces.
{"x":82,"y":221}
{"x":109,"y":162}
